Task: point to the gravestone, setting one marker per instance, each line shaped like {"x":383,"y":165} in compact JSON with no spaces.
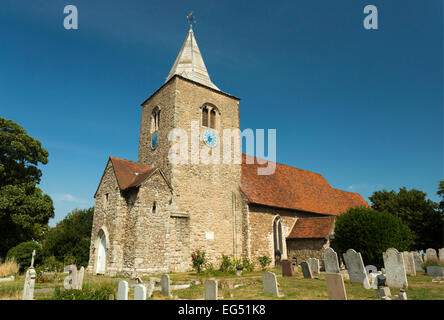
{"x":287,"y":268}
{"x":435,"y":271}
{"x":70,"y":282}
{"x":395,"y":269}
{"x":306,"y":271}
{"x":140,"y":292}
{"x":355,"y":267}
{"x":409,"y":263}
{"x":270,"y":283}
{"x":165,"y":283}
{"x":210,"y":290}
{"x":441,"y":254}
{"x":80,"y":277}
{"x":331,"y":261}
{"x":28,"y":290}
{"x":418,"y":261}
{"x":314,"y":266}
{"x":430,"y":254}
{"x":335,"y":286}
{"x":371,"y":269}
{"x":122,"y":291}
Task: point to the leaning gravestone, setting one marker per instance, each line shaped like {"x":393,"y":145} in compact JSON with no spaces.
{"x":409,"y":263}
{"x":314,"y":266}
{"x":70,"y":282}
{"x":331,"y":261}
{"x":395,"y":269}
{"x":430,"y":254}
{"x":28,"y":290}
{"x":122,"y":291}
{"x":165,"y":283}
{"x":335,"y":286}
{"x":306,"y":271}
{"x":287,"y":268}
{"x":270,"y":283}
{"x":355,"y":267}
{"x":210,"y":292}
{"x":140,"y":292}
{"x":418,"y":261}
{"x":80,"y":277}
{"x":441,"y":254}
{"x":371,"y":269}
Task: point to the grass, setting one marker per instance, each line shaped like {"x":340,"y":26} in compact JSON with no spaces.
{"x":420,"y":287}
{"x":8,"y":268}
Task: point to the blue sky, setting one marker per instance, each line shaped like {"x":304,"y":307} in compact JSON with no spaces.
{"x":363,"y":108}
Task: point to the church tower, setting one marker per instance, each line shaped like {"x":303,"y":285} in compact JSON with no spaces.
{"x":206,"y":201}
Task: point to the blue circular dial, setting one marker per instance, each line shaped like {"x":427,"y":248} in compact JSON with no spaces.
{"x":154,"y":140}
{"x":210,"y":138}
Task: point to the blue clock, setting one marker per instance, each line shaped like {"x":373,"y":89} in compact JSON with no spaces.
{"x":210,"y":138}
{"x":154,"y":140}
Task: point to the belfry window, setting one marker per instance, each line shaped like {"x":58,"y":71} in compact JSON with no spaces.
{"x":155,"y":120}
{"x":205,"y":116}
{"x":209,"y":117}
{"x":154,"y":206}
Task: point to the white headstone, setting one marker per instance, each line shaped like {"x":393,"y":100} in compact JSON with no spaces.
{"x":314,"y":266}
{"x":331,"y":261}
{"x":417,"y":258}
{"x":28,"y":290}
{"x":409,"y":263}
{"x":210,"y":290}
{"x":371,"y":269}
{"x":165,"y":283}
{"x":441,"y":254}
{"x":70,"y":282}
{"x":80,"y":277}
{"x":140,"y":292}
{"x":122,"y":291}
{"x":355,"y":267}
{"x":431,"y":254}
{"x":270,"y":283}
{"x":395,"y":269}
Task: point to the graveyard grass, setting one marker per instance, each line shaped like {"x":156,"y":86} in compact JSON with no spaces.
{"x":420,"y":287}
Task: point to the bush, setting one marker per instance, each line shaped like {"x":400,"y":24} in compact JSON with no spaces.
{"x":51,"y":264}
{"x":198,"y":258}
{"x":22,"y":253}
{"x":227,"y":265}
{"x":433,"y":263}
{"x":264,"y":261}
{"x":87,"y":293}
{"x":371,"y":233}
{"x":247,"y":264}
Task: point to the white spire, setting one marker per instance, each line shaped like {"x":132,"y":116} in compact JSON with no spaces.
{"x":189,"y":63}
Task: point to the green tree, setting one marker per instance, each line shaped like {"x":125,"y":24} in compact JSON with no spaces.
{"x":24,"y":209}
{"x":440,"y":193}
{"x":420,"y":214}
{"x":71,"y":238}
{"x":22,"y":253}
{"x":371,"y":233}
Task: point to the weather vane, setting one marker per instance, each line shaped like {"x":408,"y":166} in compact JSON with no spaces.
{"x":191,"y":19}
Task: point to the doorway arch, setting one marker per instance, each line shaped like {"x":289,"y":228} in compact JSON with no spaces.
{"x":101,"y":245}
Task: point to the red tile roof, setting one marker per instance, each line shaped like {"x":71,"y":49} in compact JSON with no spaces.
{"x":312,"y":228}
{"x":129,"y":173}
{"x":296,"y":189}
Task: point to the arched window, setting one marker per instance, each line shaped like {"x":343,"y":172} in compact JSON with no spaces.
{"x":209,"y":116}
{"x":155,"y":119}
{"x":213,"y":119}
{"x":277,"y":237}
{"x":205,"y":116}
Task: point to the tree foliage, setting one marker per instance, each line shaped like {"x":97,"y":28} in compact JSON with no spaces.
{"x":22,"y":253}
{"x":71,"y":237}
{"x":24,"y":209}
{"x":420,"y":214}
{"x":371,"y":233}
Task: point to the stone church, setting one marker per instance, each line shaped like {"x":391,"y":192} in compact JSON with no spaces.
{"x":151,"y":214}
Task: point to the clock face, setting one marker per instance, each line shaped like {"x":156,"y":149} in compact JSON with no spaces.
{"x":154,"y":140}
{"x":210,"y":138}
